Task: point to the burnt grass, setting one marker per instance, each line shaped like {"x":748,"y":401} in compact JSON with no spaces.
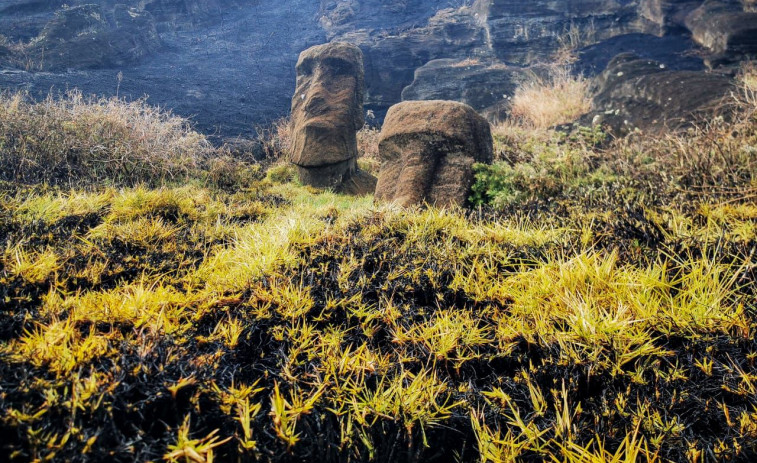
{"x":136,"y":414}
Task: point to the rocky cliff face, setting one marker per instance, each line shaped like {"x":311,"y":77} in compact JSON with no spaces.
{"x":230,"y":63}
{"x":227,"y":64}
{"x":641,"y":93}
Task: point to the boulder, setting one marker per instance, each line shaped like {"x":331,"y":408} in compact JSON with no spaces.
{"x":427,"y":151}
{"x":640,"y":93}
{"x":725,"y":29}
{"x":486,"y":87}
{"x":327,"y":112}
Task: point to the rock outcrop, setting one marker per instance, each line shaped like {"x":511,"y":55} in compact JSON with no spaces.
{"x":666,"y":16}
{"x":327,"y":112}
{"x":485,"y":87}
{"x":84,"y":37}
{"x":427,"y":150}
{"x":347,"y":16}
{"x":23,"y":20}
{"x":230,"y":63}
{"x":523,"y":32}
{"x":420,"y":59}
{"x":391,"y":59}
{"x":725,"y":29}
{"x":182,"y":14}
{"x":639,"y":93}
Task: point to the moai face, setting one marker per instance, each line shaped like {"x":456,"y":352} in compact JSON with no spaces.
{"x":327,"y":107}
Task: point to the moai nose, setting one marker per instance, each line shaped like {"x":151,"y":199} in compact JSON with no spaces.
{"x":318,"y":73}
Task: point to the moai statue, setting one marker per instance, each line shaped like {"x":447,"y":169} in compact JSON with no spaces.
{"x":427,"y":151}
{"x":327,"y":112}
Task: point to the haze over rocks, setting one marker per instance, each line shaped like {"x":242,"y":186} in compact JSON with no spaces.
{"x":230,"y":64}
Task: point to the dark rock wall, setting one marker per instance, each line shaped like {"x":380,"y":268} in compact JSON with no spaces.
{"x":229,"y":64}
{"x":521,"y":32}
{"x":641,"y":93}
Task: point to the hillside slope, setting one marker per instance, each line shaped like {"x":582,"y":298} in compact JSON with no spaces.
{"x":230,"y":64}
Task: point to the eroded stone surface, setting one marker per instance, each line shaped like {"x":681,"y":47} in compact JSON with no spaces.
{"x":486,"y":87}
{"x":83,"y":38}
{"x":428,"y":149}
{"x":640,"y":93}
{"x":725,"y":29}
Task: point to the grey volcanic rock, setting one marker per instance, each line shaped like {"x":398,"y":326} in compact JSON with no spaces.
{"x":340,"y":17}
{"x":401,"y":59}
{"x":665,"y":16}
{"x":81,"y":38}
{"x":183,"y":14}
{"x":24,"y":19}
{"x":327,"y":112}
{"x":391,"y":59}
{"x":674,"y":51}
{"x":229,"y":72}
{"x":229,"y":64}
{"x":637,"y":93}
{"x":485,"y":87}
{"x":428,"y":149}
{"x":521,"y":32}
{"x":725,"y":29}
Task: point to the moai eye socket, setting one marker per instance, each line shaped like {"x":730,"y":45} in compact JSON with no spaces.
{"x":306,"y":67}
{"x":339,"y":67}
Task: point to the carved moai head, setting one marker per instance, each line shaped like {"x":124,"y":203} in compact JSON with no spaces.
{"x":327,"y":106}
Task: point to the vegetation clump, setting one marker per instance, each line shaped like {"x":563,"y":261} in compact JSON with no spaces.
{"x":536,"y":164}
{"x":76,"y":140}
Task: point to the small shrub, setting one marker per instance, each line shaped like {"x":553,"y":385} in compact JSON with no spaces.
{"x":80,"y":140}
{"x":747,"y":78}
{"x":276,"y":139}
{"x":716,"y":159}
{"x":538,"y":170}
{"x":368,"y":148}
{"x":229,"y":173}
{"x":718,"y":156}
{"x":556,"y":99}
{"x":282,"y":172}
